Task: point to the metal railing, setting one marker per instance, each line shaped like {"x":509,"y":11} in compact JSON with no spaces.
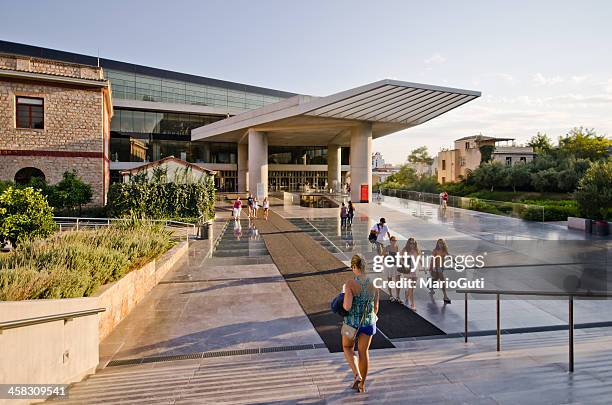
{"x":66,"y":317}
{"x":505,"y":208}
{"x":499,"y":293}
{"x":78,"y":223}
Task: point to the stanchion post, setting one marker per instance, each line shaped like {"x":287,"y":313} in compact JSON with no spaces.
{"x":466,"y":319}
{"x":498,"y":325}
{"x":571,"y":334}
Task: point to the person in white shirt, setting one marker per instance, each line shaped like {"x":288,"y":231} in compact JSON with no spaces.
{"x":381,"y":230}
{"x":255,"y":207}
{"x":266,"y":207}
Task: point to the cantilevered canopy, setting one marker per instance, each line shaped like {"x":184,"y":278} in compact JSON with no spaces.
{"x":390,"y":106}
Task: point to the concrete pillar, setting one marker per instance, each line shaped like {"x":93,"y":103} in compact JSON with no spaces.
{"x":243,"y":168}
{"x":361,"y":161}
{"x":258,"y":161}
{"x":334,"y":178}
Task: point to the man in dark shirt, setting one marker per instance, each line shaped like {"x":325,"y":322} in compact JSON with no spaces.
{"x":250,"y":204}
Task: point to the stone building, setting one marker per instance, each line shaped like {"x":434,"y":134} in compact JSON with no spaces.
{"x":454,"y":164}
{"x":54,"y":117}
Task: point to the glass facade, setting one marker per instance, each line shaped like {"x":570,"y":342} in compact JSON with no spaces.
{"x":144,"y":136}
{"x":303,"y":155}
{"x":282,"y":180}
{"x":132,"y":86}
{"x":151,"y":122}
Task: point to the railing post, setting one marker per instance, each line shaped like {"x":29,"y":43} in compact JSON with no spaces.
{"x":571,"y":334}
{"x":77,"y":224}
{"x":466,"y":318}
{"x":498,"y":325}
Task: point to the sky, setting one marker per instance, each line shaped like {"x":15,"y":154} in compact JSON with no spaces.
{"x":541,"y":66}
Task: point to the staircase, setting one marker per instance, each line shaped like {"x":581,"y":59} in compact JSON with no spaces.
{"x":530,"y":369}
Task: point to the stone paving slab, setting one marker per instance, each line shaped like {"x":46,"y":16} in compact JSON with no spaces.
{"x":530,"y":369}
{"x":205,"y":306}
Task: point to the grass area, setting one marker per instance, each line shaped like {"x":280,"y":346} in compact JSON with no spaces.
{"x":75,"y":264}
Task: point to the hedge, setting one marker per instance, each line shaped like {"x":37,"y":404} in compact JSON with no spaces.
{"x":76,"y":264}
{"x":554,"y":210}
{"x":159,"y":200}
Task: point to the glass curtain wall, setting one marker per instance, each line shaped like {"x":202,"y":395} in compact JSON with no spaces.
{"x":141,"y":136}
{"x":133,"y":86}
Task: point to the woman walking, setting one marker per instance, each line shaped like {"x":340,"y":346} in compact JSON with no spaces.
{"x":437,"y":266}
{"x":266,"y":207}
{"x":343,"y":215}
{"x":351,"y":213}
{"x":255,"y":207}
{"x":237,"y":208}
{"x":361,"y":302}
{"x":391,"y":271}
{"x":413,"y":252}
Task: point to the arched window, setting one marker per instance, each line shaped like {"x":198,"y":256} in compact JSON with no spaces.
{"x":23,"y":176}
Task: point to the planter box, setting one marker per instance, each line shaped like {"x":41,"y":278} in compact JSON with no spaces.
{"x":61,"y":352}
{"x":121,"y":296}
{"x":577,"y":223}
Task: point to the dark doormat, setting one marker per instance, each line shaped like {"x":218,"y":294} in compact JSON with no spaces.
{"x":327,"y":324}
{"x":400,"y":322}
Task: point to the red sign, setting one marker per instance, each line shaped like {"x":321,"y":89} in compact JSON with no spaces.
{"x":364,"y":194}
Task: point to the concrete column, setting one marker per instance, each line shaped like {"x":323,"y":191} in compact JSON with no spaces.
{"x":361,"y":161}
{"x":334,"y":178}
{"x":243,"y":168}
{"x":258,"y":161}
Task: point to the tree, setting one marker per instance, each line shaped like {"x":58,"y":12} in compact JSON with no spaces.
{"x":420,"y":155}
{"x":404,"y":177}
{"x":24,"y":214}
{"x":486,"y":152}
{"x":545,"y":180}
{"x":594,"y":195}
{"x":489,"y":175}
{"x":540,"y":143}
{"x":70,"y":192}
{"x":584,"y":143}
{"x":426,"y":184}
{"x":518,"y":176}
{"x":567,"y":180}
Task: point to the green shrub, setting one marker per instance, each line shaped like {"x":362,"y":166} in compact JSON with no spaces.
{"x":158,"y":200}
{"x":70,"y":192}
{"x":24,"y":214}
{"x":76,"y":264}
{"x":482,"y":206}
{"x":554,"y":210}
{"x":594,"y":195}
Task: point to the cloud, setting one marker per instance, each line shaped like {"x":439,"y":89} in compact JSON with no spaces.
{"x":541,"y":80}
{"x":505,"y":77}
{"x":579,"y":79}
{"x":435,"y":59}
{"x":608,"y":85}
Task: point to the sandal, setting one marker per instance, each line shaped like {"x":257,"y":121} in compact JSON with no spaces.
{"x":447,"y":300}
{"x":356,"y":383}
{"x":361,"y":387}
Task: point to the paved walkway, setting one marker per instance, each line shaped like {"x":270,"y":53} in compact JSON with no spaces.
{"x":530,"y":369}
{"x":210,"y":304}
{"x":520,"y":255}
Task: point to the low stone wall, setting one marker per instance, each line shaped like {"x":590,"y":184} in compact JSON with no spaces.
{"x":61,"y":352}
{"x":48,"y":353}
{"x":120,"y":297}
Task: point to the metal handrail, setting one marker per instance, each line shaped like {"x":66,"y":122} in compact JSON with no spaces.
{"x":431,"y":198}
{"x":107,"y":222}
{"x":498,"y":293}
{"x":66,"y":317}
